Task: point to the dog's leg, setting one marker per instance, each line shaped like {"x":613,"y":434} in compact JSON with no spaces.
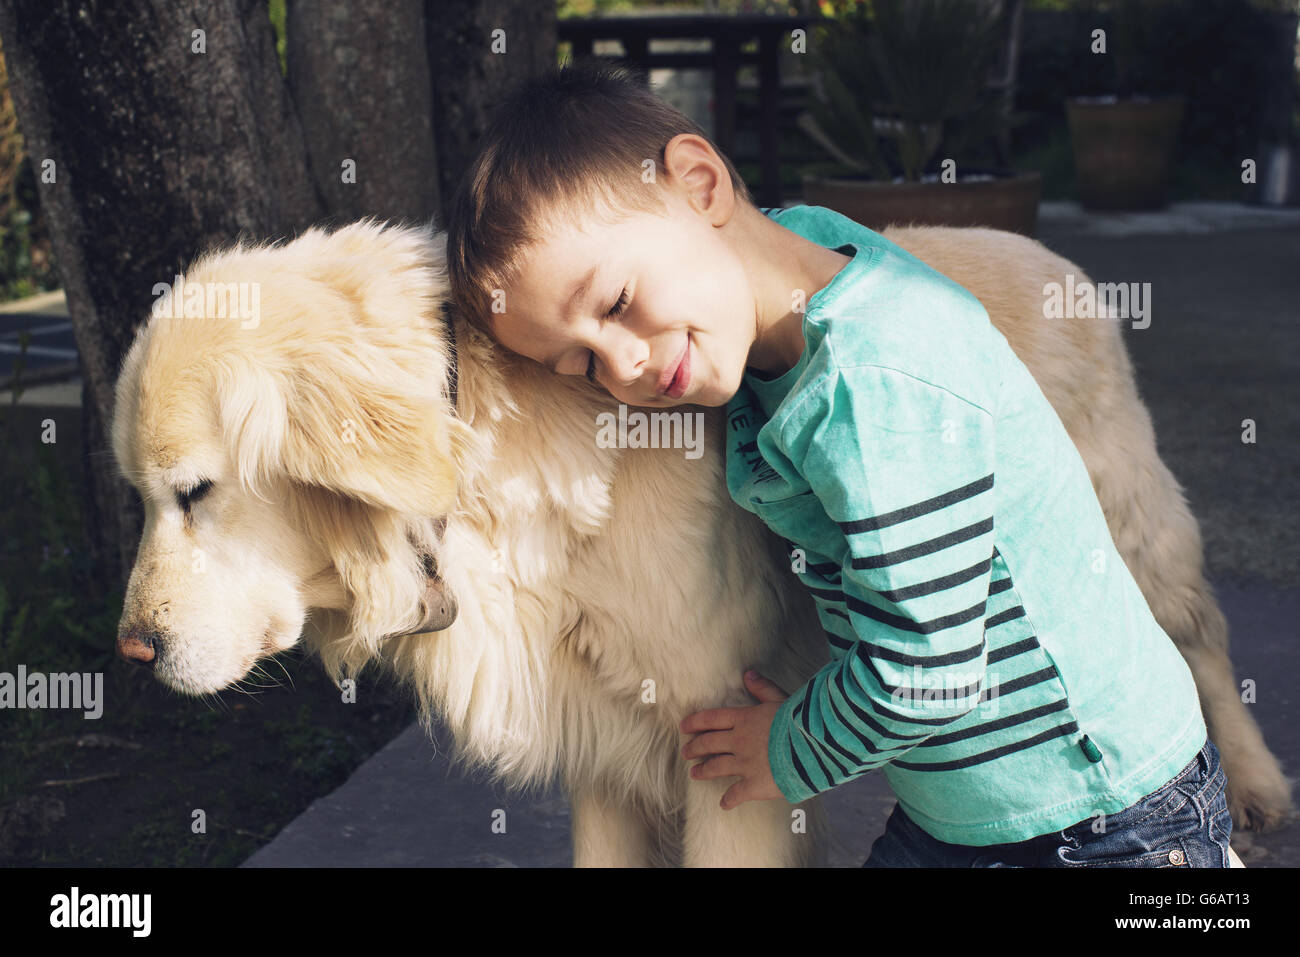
{"x":1160,"y":542}
{"x":755,"y":834}
{"x":1259,"y":794}
{"x":608,"y":833}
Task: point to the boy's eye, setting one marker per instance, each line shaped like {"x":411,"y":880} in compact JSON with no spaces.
{"x":619,"y":306}
{"x":614,"y":313}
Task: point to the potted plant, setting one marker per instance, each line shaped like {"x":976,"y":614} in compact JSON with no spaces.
{"x":1124,"y":140}
{"x":901,"y":97}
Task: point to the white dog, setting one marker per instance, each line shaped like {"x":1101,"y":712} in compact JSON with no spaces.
{"x":310,"y":471}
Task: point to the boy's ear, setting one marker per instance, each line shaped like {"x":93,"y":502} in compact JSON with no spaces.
{"x":701,"y":176}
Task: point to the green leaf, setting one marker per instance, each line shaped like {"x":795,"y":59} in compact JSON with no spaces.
{"x":921,"y":63}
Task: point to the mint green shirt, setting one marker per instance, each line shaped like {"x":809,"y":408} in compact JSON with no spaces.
{"x":990,"y":651}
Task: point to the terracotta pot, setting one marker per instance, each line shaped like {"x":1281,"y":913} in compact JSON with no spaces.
{"x":1123,"y":149}
{"x":1009,"y":201}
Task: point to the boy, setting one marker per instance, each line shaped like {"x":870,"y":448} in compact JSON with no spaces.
{"x":991,"y":652}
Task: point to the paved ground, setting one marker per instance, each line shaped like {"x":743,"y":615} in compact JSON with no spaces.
{"x":405,"y":807}
{"x":1221,"y":348}
{"x":52,"y":350}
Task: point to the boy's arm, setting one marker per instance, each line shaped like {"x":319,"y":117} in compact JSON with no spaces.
{"x":905,"y":470}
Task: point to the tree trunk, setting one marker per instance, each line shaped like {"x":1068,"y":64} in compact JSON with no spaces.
{"x":362,"y":89}
{"x":156,"y":150}
{"x":469,"y":78}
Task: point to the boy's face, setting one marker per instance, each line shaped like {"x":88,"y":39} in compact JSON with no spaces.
{"x":668,"y":292}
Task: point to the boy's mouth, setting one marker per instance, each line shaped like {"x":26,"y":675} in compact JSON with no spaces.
{"x":677,"y":376}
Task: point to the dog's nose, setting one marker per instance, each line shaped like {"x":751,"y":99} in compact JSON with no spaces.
{"x":139,"y":645}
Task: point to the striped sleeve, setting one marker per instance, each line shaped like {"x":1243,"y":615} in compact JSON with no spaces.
{"x":904,"y":470}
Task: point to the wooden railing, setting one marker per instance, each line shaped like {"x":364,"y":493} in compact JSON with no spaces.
{"x":727,"y":34}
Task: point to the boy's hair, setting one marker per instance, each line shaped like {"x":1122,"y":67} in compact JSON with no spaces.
{"x":570,"y":143}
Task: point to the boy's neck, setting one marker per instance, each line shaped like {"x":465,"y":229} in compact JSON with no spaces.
{"x":781,"y":261}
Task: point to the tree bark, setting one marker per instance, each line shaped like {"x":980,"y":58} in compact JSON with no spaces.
{"x":361,"y":84}
{"x":158,"y":151}
{"x":469,"y":78}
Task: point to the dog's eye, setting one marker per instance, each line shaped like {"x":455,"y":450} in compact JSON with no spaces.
{"x":193,"y":495}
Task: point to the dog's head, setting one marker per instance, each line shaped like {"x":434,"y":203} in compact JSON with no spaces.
{"x":283,"y":413}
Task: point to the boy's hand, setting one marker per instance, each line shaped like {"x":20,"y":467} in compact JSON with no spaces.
{"x":737,"y":739}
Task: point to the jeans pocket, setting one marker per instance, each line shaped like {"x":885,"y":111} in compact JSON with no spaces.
{"x":1173,"y":828}
{"x":1153,"y":810}
{"x":1153,"y":842}
{"x":1163,"y":830}
{"x":1172,"y":854}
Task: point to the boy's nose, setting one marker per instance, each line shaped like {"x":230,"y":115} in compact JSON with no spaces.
{"x":627,"y":370}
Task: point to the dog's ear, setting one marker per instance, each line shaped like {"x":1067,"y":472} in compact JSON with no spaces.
{"x":335,"y":426}
{"x":373,"y":443}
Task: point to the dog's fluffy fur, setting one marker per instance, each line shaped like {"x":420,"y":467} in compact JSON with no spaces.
{"x":603,"y":593}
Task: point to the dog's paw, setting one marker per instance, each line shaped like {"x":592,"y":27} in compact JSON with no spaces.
{"x":1260,"y":800}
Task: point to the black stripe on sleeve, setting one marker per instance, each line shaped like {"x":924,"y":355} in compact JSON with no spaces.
{"x":992,"y":754}
{"x":897,"y":595}
{"x":975,"y":731}
{"x":925,"y":548}
{"x":903,"y":623}
{"x":920,"y":508}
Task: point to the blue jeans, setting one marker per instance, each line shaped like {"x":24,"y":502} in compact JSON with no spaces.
{"x":1184,"y":823}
